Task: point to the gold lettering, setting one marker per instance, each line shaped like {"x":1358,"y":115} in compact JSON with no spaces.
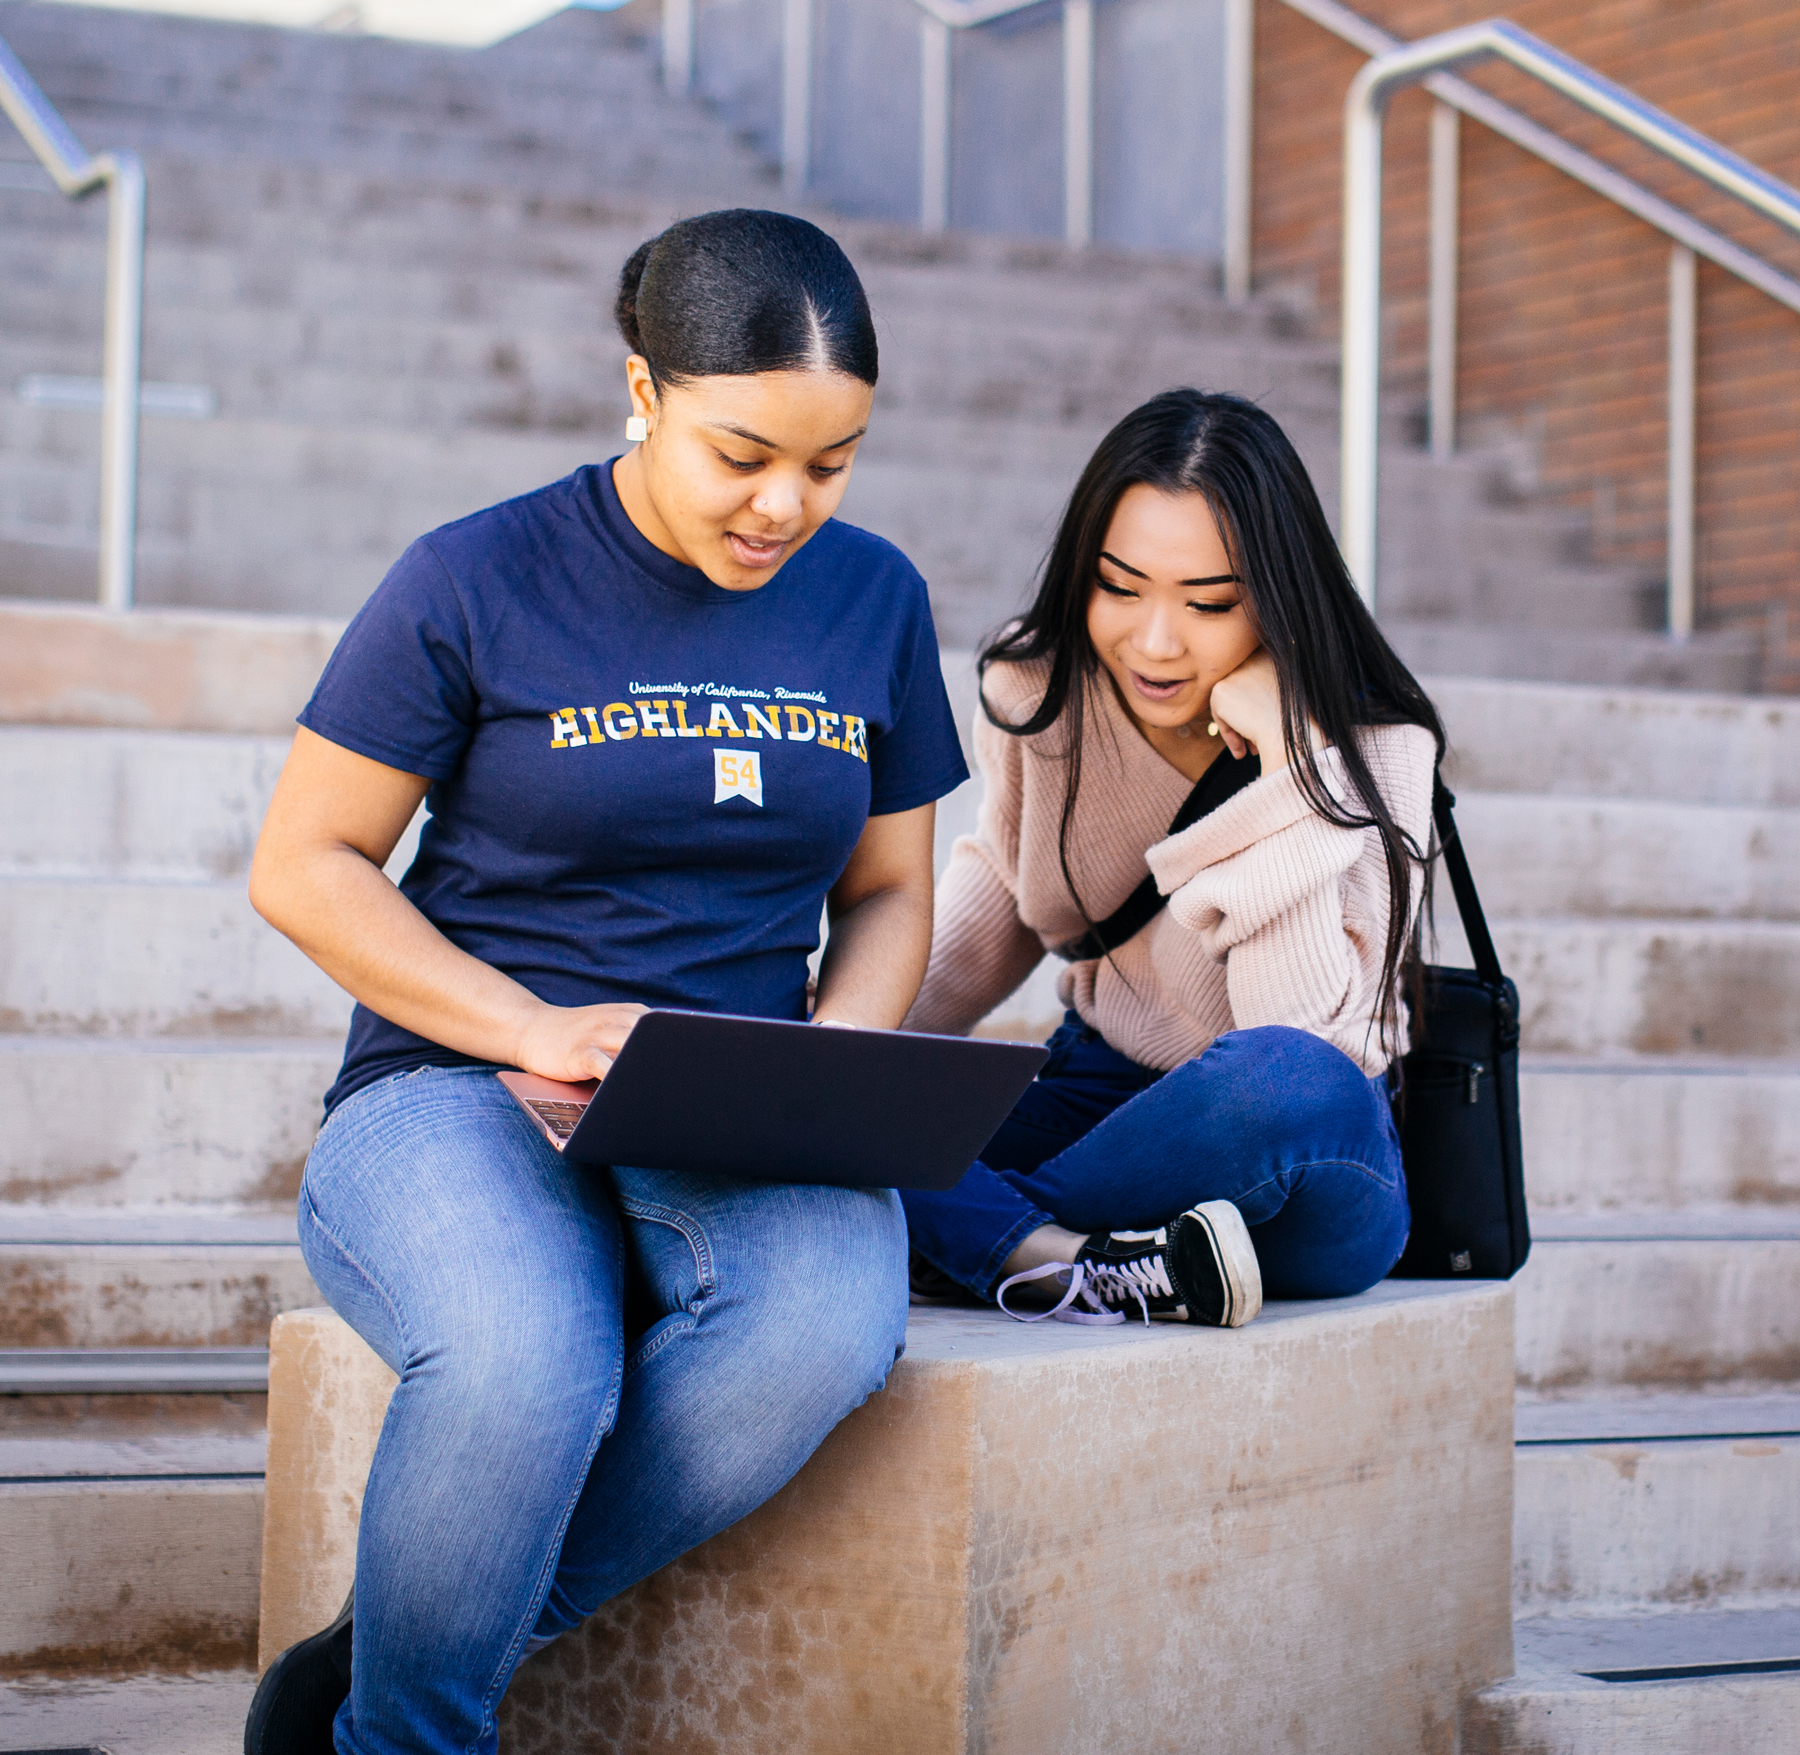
{"x":827,"y":726}
{"x":595,"y":734}
{"x":757,"y":720}
{"x":567,"y":732}
{"x":686,"y":730}
{"x":794,"y":733}
{"x":722,"y":722}
{"x":856,"y":737}
{"x":617,"y":727}
{"x":659,"y":711}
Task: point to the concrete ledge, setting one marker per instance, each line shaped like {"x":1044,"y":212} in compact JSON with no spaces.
{"x":1034,"y":1538}
{"x":158,"y":669}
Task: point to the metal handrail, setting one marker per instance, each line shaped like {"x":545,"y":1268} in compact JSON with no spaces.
{"x":1429,"y":66}
{"x":121,"y":175}
{"x":1541,"y":142}
{"x":1370,"y":92}
{"x":938,"y":20}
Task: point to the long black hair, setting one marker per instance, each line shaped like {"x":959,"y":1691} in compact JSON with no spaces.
{"x":1336,"y":669}
{"x":740,"y":291}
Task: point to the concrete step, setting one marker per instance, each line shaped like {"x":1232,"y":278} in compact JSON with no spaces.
{"x":153,"y":960}
{"x":979,"y":531}
{"x":192,"y":959}
{"x":211,"y":1122}
{"x":107,"y":958}
{"x":127,"y":1277}
{"x":1645,"y":1134}
{"x":1627,"y":1685}
{"x":230,"y":224}
{"x":168,"y":807}
{"x":220,"y":90}
{"x":142,"y":1123}
{"x":138,"y":1713}
{"x":208,"y":480}
{"x":1666,"y":1302}
{"x":1729,"y":662}
{"x":136,"y":1550}
{"x":1655,"y":1501}
{"x":1603,"y":741}
{"x":168,"y":670}
{"x":298,"y":353}
{"x":1597,"y":989}
{"x":177,"y":806}
{"x":1607,"y":857}
{"x":1497,"y":587}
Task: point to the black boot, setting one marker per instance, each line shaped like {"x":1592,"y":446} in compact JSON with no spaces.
{"x":299,"y":1697}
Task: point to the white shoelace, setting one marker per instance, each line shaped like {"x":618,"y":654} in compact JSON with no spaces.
{"x":1089,"y":1284}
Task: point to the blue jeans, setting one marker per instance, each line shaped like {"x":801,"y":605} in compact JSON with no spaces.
{"x":598,"y":1370}
{"x":1281,"y":1124}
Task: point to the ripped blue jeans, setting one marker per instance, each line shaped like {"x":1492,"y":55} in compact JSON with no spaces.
{"x":1277,"y":1121}
{"x":598,"y":1370}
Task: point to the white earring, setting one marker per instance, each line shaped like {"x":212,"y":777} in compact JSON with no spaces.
{"x":637,"y":429}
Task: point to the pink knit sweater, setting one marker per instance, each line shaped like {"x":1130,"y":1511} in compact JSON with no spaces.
{"x":1274,"y":916}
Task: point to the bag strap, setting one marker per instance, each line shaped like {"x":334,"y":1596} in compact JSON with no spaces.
{"x":1462,"y":882}
{"x":1227,"y":776}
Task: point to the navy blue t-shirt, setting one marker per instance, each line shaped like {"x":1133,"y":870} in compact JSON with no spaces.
{"x":642,"y":784}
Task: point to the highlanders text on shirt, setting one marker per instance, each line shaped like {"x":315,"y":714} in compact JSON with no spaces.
{"x":785,"y":722}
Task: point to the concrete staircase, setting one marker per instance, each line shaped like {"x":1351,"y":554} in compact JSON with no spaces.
{"x":166,"y":1053}
{"x":390,"y":268}
{"x":398,"y":299}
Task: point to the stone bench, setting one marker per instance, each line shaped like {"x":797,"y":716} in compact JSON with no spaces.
{"x":1291,"y":1536}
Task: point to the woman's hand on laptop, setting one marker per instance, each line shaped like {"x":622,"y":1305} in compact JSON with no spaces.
{"x":575,"y":1042}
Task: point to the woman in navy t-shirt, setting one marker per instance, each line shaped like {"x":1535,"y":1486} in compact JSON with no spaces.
{"x":660,"y":713}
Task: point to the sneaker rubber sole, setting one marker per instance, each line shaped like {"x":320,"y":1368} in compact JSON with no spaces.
{"x":1217,"y":1230}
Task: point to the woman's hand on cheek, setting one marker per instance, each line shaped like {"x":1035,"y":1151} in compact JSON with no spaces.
{"x":575,"y":1042}
{"x":1246,"y":707}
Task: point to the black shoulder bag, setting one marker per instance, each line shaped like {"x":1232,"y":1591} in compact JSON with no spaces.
{"x":1458,"y":1103}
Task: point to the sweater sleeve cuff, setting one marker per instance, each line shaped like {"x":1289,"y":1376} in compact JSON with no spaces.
{"x":1265,"y":807}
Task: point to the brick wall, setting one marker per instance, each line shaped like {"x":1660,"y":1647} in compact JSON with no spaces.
{"x":1564,"y":297}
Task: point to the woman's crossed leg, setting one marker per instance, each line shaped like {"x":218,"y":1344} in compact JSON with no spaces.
{"x":527,"y":1468}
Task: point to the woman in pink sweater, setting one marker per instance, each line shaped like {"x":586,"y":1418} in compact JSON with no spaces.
{"x":1214,"y":1120}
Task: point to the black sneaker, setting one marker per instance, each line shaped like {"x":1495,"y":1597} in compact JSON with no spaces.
{"x":1200,"y":1267}
{"x":300,"y":1695}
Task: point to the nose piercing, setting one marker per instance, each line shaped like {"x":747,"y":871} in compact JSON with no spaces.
{"x":1212,"y":728}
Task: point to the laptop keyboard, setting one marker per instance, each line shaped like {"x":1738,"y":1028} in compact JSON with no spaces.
{"x":560,"y":1118}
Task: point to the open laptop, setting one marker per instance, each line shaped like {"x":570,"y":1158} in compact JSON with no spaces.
{"x":766,"y":1101}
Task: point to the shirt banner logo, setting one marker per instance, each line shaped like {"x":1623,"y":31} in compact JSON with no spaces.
{"x":737,"y":774}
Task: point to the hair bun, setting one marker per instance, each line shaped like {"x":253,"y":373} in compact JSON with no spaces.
{"x":625,"y":312}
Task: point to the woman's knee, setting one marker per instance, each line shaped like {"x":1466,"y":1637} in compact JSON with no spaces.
{"x":829,"y":1318}
{"x":1275,"y":1080}
{"x":852,"y":1281}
